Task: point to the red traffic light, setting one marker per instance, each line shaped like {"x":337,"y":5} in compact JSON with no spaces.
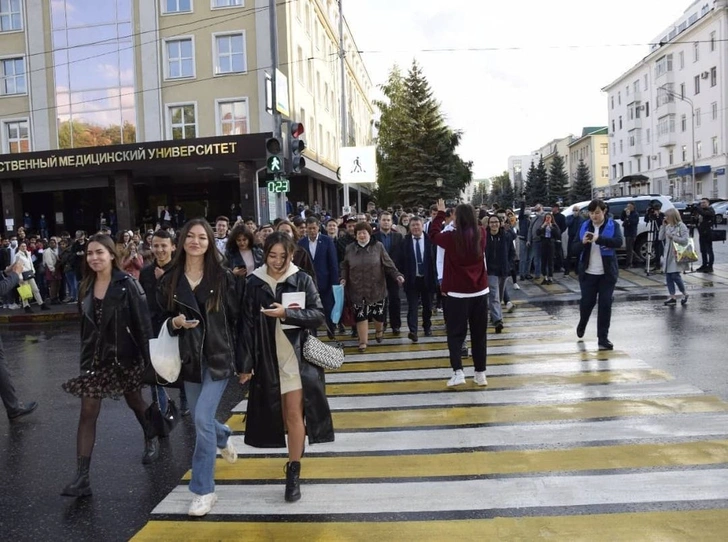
{"x":297,"y":129}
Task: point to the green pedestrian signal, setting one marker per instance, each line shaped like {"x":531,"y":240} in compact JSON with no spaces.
{"x":274,"y":155}
{"x":274,"y":164}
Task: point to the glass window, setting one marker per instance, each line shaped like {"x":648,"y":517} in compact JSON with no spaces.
{"x":715,"y":145}
{"x":712,"y":41}
{"x":230,"y":54}
{"x":233,"y":117}
{"x":183,"y":121}
{"x":12,"y":76}
{"x":713,"y":76}
{"x":177,"y":6}
{"x":714,"y":110}
{"x":10,"y":18}
{"x":226,"y":3}
{"x":699,"y":149}
{"x":17,"y":137}
{"x":697,"y":84}
{"x":696,"y":51}
{"x":180,"y":59}
{"x":697,"y":117}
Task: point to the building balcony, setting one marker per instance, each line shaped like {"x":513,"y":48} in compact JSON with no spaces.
{"x":634,"y":124}
{"x":636,"y":150}
{"x":634,"y":97}
{"x":667,"y":140}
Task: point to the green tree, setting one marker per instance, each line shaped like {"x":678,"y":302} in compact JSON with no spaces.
{"x":529,"y":185}
{"x":558,"y":180}
{"x":581,"y":188}
{"x":538,"y":184}
{"x":502,"y":192}
{"x":415,"y":146}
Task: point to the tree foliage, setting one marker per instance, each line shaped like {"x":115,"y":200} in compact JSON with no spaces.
{"x":414,"y":145}
{"x":501,"y":192}
{"x":537,"y":183}
{"x":581,"y":188}
{"x":558,"y":181}
{"x":87,"y":134}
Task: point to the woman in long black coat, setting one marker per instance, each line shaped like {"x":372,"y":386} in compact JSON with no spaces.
{"x":286,"y":392}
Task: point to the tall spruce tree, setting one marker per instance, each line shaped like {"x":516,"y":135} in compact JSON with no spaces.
{"x":558,"y":180}
{"x":530,"y":183}
{"x":539,"y":190}
{"x":415,"y":146}
{"x":581,"y":188}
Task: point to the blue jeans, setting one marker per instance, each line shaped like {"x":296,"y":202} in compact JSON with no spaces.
{"x":496,"y":314}
{"x":536,"y":256}
{"x":523,"y":259}
{"x":211,"y":434}
{"x":71,"y":285}
{"x":673,"y":279}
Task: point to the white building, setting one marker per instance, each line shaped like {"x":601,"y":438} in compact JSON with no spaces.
{"x":669,"y":111}
{"x":518,"y":167}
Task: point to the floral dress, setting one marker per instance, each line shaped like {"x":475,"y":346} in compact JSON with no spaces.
{"x":112,"y":381}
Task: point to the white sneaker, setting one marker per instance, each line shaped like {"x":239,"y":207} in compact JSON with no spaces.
{"x":457,"y":379}
{"x":14,"y":307}
{"x":516,"y":286}
{"x":229,"y":453}
{"x":202,"y":504}
{"x":480,"y":379}
{"x":510,"y":307}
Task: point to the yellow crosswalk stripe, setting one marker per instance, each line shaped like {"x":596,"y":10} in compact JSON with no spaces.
{"x":680,"y":526}
{"x":454,"y":416}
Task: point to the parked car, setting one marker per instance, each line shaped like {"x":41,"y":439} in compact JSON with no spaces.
{"x":721,"y":208}
{"x":616,"y":206}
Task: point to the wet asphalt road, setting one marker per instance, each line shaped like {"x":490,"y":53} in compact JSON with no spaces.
{"x":37,"y":453}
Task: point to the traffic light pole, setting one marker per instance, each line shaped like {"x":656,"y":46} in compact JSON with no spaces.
{"x":277,"y":120}
{"x":342,"y":66}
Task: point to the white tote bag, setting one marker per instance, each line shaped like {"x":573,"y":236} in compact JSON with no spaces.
{"x":164,"y":351}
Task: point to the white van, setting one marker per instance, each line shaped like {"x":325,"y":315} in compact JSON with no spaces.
{"x":616,"y":206}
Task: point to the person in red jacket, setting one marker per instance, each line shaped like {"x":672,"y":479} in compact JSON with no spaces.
{"x":465,"y":283}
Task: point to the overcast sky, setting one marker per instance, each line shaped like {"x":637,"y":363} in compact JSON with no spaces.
{"x":511,"y":102}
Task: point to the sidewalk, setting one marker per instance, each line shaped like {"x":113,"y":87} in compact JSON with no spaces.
{"x":58,"y":313}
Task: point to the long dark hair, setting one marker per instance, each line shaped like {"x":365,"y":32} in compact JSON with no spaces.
{"x":237,"y":231}
{"x":467,"y":231}
{"x":213,"y":270}
{"x":89,"y":275}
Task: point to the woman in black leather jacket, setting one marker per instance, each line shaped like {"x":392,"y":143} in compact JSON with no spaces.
{"x":115,"y":331}
{"x":201,"y":300}
{"x":243,"y":257}
{"x":285,"y":389}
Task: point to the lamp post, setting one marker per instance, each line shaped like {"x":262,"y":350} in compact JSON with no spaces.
{"x":438,"y":183}
{"x":692,"y":131}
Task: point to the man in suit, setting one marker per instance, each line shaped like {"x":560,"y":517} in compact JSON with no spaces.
{"x":417,"y":265}
{"x":392,"y":241}
{"x":14,"y":408}
{"x":322,"y":251}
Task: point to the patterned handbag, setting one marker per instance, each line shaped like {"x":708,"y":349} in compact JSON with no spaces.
{"x":322,"y":354}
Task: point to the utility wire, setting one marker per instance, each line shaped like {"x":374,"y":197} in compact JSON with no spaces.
{"x":169,"y":85}
{"x":108,"y":42}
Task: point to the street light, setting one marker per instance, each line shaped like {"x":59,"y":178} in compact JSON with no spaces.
{"x":438,"y":183}
{"x":692,"y":126}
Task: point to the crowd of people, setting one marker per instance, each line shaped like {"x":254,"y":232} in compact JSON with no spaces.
{"x":221,"y":288}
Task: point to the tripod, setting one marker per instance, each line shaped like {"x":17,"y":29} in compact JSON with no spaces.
{"x":651,"y":240}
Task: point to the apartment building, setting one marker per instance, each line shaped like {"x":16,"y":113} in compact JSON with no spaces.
{"x":518,"y":167}
{"x":593,"y":148}
{"x":667,"y":113}
{"x":137,"y":104}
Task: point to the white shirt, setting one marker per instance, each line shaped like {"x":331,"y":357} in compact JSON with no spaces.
{"x":221,"y":244}
{"x":596,"y":265}
{"x":312,"y":246}
{"x":440,"y":262}
{"x":421,"y":242}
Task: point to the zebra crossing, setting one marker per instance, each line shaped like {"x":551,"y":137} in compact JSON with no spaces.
{"x":566,"y":442}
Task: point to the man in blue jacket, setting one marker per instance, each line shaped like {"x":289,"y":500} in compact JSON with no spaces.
{"x":14,"y":408}
{"x":322,"y":251}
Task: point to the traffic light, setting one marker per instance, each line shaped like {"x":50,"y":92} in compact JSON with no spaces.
{"x":274,"y":155}
{"x":296,"y":147}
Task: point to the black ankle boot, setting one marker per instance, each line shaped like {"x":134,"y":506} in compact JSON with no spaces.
{"x":81,"y":484}
{"x":151,"y":444}
{"x":293,"y":484}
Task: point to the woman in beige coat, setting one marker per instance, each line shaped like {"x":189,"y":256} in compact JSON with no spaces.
{"x":363,"y":271}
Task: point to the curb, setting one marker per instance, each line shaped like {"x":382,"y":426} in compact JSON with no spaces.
{"x":38,"y":318}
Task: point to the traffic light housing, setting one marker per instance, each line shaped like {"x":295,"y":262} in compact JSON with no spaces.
{"x":274,"y":156}
{"x":296,"y":146}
